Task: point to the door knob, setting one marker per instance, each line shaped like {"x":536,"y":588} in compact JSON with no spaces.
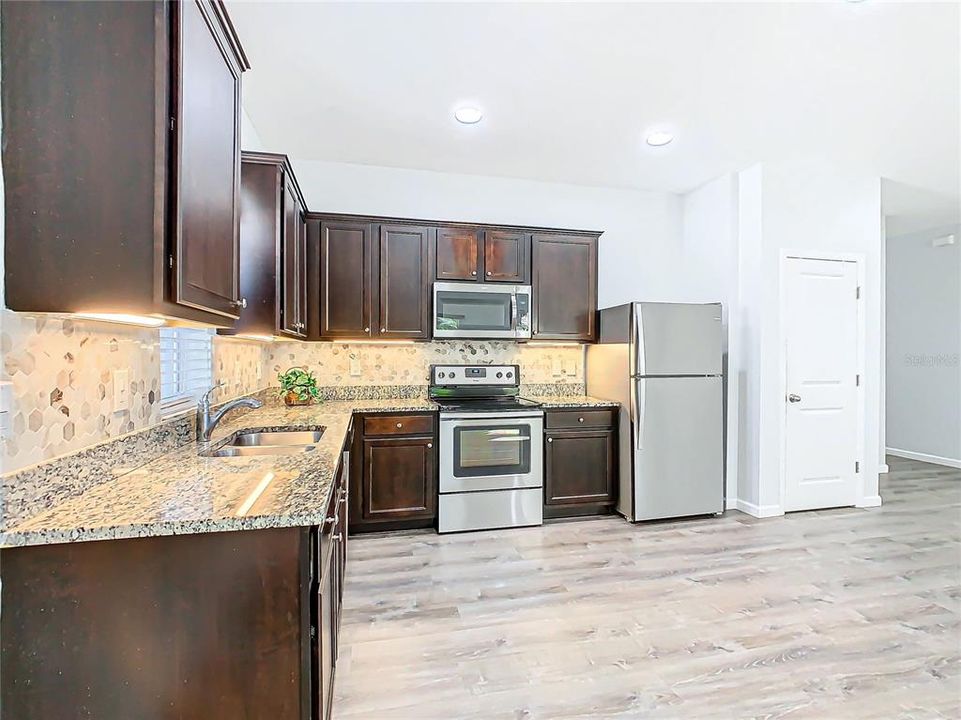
{"x":794,"y":398}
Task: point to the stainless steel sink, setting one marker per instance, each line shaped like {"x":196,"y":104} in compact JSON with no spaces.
{"x":280,"y":437}
{"x":278,"y":442}
{"x":244,"y":451}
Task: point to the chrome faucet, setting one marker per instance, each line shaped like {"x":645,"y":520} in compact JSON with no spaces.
{"x":207,"y":420}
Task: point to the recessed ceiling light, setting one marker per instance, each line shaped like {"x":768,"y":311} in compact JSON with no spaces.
{"x":468,"y":115}
{"x":659,"y":138}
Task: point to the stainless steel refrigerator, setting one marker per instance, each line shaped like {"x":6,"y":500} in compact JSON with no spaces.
{"x":663,"y":362}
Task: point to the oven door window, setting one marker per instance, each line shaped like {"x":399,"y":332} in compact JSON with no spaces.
{"x":483,"y":451}
{"x":475,"y":311}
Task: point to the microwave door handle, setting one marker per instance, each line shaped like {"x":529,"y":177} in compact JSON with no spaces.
{"x":514,"y":313}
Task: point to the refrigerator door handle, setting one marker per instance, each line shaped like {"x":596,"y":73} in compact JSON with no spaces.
{"x":640,"y":402}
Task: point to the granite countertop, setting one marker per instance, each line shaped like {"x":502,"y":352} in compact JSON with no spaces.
{"x":183,"y":492}
{"x":572,"y":401}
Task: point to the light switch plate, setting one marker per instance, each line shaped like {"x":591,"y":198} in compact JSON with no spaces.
{"x":121,"y":390}
{"x":355,"y":366}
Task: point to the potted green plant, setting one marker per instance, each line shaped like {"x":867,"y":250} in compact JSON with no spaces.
{"x":298,"y":387}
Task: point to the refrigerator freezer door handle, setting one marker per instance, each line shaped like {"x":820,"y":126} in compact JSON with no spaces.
{"x":640,"y":400}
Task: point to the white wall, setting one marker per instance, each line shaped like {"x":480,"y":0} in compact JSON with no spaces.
{"x":249,"y":137}
{"x":709,"y":273}
{"x":638,"y":253}
{"x":924,"y":345}
{"x":810,"y":208}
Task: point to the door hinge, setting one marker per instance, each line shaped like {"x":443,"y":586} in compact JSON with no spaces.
{"x":170,"y":261}
{"x":857,"y":293}
{"x":857,"y":467}
{"x":173,"y":124}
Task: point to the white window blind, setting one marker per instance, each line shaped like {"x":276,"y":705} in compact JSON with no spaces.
{"x":186,"y":368}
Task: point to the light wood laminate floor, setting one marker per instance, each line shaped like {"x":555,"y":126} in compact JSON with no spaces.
{"x":832,"y":614}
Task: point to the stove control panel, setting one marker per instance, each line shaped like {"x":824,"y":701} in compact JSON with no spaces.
{"x":503,"y":375}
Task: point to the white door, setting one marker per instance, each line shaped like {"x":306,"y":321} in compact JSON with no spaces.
{"x":821,"y":316}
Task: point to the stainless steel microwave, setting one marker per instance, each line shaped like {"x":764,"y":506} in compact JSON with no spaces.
{"x":480,"y":311}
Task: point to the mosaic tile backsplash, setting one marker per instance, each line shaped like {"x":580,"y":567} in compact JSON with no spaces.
{"x":60,"y":376}
{"x":409,"y":364}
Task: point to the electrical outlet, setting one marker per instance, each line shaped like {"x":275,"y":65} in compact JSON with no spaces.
{"x":355,"y":366}
{"x":6,"y":408}
{"x":557,"y":369}
{"x":121,"y":390}
{"x":570,"y":367}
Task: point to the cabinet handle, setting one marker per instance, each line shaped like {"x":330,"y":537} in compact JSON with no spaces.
{"x":400,"y":425}
{"x":580,"y":419}
{"x":430,"y":445}
{"x":332,"y":520}
{"x":338,"y":536}
{"x":242,"y":303}
{"x":550,"y":440}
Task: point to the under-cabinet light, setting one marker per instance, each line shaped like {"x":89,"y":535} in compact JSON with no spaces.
{"x":245,"y":336}
{"x":122,"y":318}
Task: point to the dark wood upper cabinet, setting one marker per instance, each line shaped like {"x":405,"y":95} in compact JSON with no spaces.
{"x":457,"y":254}
{"x":564,"y":287}
{"x":273,"y":262}
{"x":293,"y":262}
{"x":371,"y":277}
{"x":345,"y":278}
{"x":205,"y":183}
{"x":121,"y":158}
{"x":507,"y":256}
{"x":405,"y":271}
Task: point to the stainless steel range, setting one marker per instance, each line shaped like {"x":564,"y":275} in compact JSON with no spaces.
{"x":491,"y":449}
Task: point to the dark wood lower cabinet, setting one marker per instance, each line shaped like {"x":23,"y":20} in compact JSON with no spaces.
{"x":580,"y":463}
{"x":394,"y":475}
{"x":215,"y":626}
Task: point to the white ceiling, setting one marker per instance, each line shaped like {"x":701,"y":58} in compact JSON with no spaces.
{"x":568,"y":90}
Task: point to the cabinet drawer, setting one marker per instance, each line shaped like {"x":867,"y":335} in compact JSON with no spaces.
{"x":399,"y":425}
{"x":561,"y":419}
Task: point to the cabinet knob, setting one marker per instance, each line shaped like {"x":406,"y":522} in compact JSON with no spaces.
{"x":580,"y":419}
{"x":488,"y":273}
{"x":336,"y":537}
{"x":550,"y":440}
{"x":400,"y":425}
{"x":473,"y":272}
{"x":366,"y":329}
{"x":242,"y":303}
{"x":430,"y":445}
{"x":331,"y":520}
{"x":383,"y":330}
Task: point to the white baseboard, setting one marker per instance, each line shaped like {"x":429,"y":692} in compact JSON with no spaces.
{"x":730,"y":504}
{"x":870,"y":501}
{"x":758,"y":511}
{"x":924,"y":457}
